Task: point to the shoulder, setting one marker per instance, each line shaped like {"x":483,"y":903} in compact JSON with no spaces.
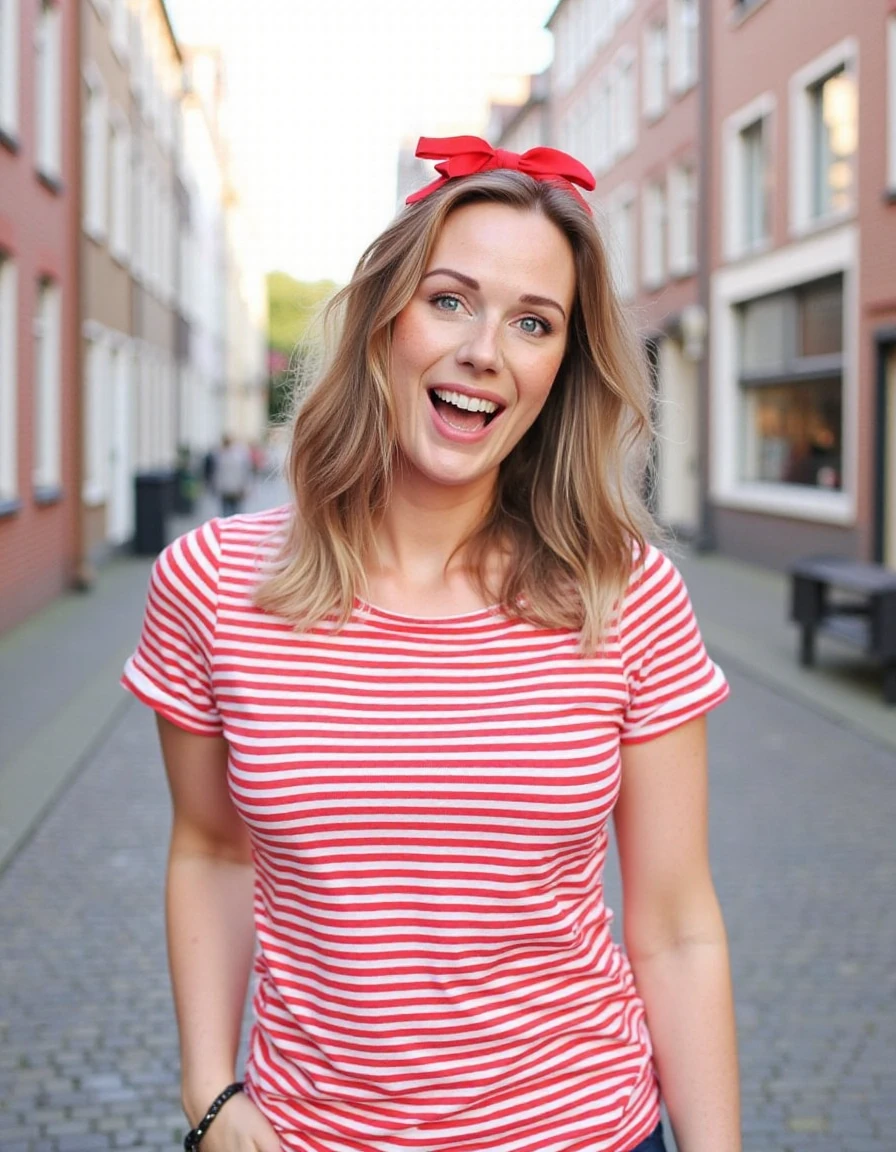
{"x":654,"y":584}
{"x":188,"y":575}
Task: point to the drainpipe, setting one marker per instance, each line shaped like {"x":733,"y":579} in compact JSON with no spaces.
{"x":83,"y":574}
{"x":705,"y":541}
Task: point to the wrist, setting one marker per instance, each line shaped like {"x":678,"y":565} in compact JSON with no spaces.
{"x":198,"y":1093}
{"x":193,"y":1138}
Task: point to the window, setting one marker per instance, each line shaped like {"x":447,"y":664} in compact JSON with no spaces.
{"x":684,"y":46}
{"x":682,"y":219}
{"x":138,"y":196}
{"x":834,"y":131}
{"x":753,"y":145}
{"x":891,"y":103}
{"x":603,"y":124}
{"x":621,"y":220}
{"x":48,"y":90}
{"x":120,"y":222}
{"x":747,"y":176}
{"x":97,"y":402}
{"x":119,"y":28}
{"x":8,"y":379}
{"x":621,"y":10}
{"x":9,"y":67}
{"x":655,"y":230}
{"x":624,"y":104}
{"x":656,"y":70}
{"x":791,"y":386}
{"x":604,"y":22}
{"x":96,"y":136}
{"x":824,"y":138}
{"x":47,"y":388}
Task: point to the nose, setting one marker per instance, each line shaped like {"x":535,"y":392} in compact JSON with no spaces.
{"x":481,"y":348}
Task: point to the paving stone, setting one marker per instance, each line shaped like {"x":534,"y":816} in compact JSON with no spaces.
{"x":92,"y":1142}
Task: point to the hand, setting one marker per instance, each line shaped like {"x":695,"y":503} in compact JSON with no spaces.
{"x":240,"y":1126}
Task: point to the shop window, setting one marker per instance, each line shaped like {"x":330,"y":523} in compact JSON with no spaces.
{"x":791,"y":385}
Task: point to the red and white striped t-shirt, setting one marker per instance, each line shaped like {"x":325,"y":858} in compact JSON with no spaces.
{"x":428,"y":802}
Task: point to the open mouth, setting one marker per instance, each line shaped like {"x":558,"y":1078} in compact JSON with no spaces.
{"x":465,"y":413}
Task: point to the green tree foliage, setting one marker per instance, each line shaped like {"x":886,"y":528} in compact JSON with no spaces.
{"x":292,"y":305}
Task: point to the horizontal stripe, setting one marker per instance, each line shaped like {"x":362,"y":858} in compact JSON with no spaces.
{"x":429,"y":803}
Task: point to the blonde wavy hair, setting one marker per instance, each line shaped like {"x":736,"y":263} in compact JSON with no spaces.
{"x":568,"y":511}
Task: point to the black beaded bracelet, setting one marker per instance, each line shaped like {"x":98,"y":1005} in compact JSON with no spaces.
{"x":192,"y":1138}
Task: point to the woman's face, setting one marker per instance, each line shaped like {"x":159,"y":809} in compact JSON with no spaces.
{"x":477,"y":348}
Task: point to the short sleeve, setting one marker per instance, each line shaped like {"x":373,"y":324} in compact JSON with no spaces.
{"x":669,"y":674}
{"x":171,"y":669}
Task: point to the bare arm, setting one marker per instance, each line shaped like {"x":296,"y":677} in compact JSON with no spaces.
{"x":675,"y":936}
{"x":210,"y":934}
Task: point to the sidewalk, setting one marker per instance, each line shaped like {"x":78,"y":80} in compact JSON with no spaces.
{"x":744,"y":613}
{"x":59,"y":673}
{"x":59,"y":691}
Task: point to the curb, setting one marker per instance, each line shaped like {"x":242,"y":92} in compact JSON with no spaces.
{"x":833,"y":690}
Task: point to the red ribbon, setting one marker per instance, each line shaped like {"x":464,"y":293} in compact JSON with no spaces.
{"x":467,"y":155}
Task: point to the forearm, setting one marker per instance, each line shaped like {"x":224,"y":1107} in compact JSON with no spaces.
{"x":210,"y":948}
{"x":687,"y":992}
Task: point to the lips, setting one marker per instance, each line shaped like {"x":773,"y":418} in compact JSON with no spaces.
{"x":464,"y":411}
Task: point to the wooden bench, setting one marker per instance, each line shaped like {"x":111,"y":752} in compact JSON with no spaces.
{"x":865,"y":616}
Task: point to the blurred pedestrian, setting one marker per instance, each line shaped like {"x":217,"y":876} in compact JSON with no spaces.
{"x":232,"y":474}
{"x":398,"y":714}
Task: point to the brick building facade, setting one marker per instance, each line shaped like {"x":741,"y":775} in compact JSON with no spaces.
{"x":40,"y":421}
{"x":803,"y":306}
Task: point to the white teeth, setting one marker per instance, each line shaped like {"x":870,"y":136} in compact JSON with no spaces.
{"x":469,"y":403}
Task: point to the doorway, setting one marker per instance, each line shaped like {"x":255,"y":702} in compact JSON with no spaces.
{"x":885,"y":476}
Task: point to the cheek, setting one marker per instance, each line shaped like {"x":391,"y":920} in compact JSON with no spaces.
{"x":543,"y":377}
{"x":402,"y":340}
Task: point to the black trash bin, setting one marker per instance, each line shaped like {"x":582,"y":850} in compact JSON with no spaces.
{"x":154,"y":497}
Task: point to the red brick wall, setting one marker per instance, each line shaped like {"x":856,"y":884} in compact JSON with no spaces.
{"x":40,"y":230}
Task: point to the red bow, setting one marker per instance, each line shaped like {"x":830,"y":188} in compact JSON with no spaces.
{"x":467,"y":155}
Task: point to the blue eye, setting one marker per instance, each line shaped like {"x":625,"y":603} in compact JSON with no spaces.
{"x":533,"y":325}
{"x":446,"y":303}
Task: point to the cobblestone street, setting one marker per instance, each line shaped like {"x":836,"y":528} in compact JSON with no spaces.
{"x":803,"y":818}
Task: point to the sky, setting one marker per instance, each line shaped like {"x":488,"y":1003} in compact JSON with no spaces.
{"x":323,"y":93}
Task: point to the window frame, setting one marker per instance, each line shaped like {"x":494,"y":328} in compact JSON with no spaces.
{"x":120,"y":187}
{"x":655,"y":85}
{"x":655,"y":233}
{"x":95,"y":449}
{"x":682,"y":198}
{"x":46,"y":472}
{"x":95,"y":151}
{"x":735,"y":244}
{"x":891,"y":105}
{"x":622,"y":205}
{"x":9,"y":381}
{"x":10,"y":67}
{"x":827,"y":254}
{"x":48,"y":91}
{"x":624,"y":101}
{"x":803,"y":83}
{"x":684,"y":71}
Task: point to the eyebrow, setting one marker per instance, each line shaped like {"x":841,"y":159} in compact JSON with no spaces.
{"x":528,"y":298}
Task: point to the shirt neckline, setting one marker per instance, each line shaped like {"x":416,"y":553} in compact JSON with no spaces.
{"x":385,"y":614}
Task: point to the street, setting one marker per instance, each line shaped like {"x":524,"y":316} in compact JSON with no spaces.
{"x":802,"y":819}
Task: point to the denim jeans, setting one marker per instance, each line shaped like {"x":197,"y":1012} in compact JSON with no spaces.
{"x":653,"y":1143}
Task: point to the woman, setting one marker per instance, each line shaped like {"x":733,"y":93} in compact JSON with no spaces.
{"x":398,"y":714}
